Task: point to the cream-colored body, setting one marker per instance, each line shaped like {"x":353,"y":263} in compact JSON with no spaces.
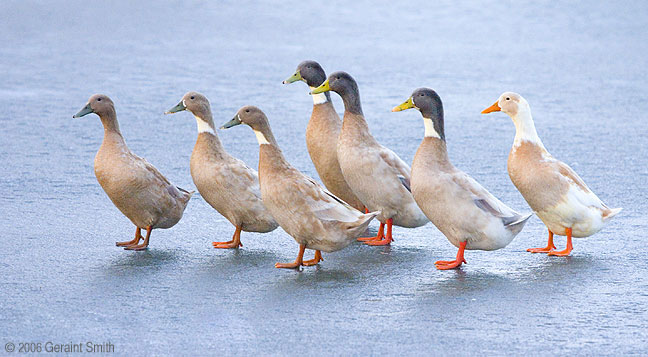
{"x":228,"y":185}
{"x":135,"y":186}
{"x":376,"y":174}
{"x":322,"y":135}
{"x":456,"y":204}
{"x":305,"y":210}
{"x":559,"y":197}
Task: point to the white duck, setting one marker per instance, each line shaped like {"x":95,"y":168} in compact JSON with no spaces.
{"x":314,"y":217}
{"x":552,"y":189}
{"x":379,"y":178}
{"x":225,"y":182}
{"x":468,"y":215}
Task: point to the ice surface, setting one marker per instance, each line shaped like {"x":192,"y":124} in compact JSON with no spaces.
{"x":582,"y":67}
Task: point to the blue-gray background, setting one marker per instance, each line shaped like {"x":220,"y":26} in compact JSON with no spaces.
{"x":582,"y":67}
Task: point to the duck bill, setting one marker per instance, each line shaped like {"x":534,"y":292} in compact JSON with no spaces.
{"x":85,"y":111}
{"x":294,"y":78}
{"x":322,"y":88}
{"x":408,"y":104}
{"x":234,"y":122}
{"x":178,"y":108}
{"x":493,"y":108}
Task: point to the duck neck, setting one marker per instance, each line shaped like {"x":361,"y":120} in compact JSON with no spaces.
{"x":525,"y":129}
{"x":434,"y":128}
{"x":205,"y":126}
{"x":320,"y":98}
{"x":351,"y":99}
{"x":434,"y":151}
{"x":111,"y":127}
{"x":264,"y":135}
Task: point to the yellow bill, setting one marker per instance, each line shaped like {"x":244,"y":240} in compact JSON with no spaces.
{"x":408,"y":104}
{"x":322,"y":88}
{"x":294,"y":78}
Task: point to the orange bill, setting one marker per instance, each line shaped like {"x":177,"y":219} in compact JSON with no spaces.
{"x":492,"y":108}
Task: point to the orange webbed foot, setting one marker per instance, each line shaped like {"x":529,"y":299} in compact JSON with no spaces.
{"x":367,"y":239}
{"x":542,"y":250}
{"x":318,"y":258}
{"x":227,"y":245}
{"x":144,"y":244}
{"x":568,"y":248}
{"x":231,"y":244}
{"x":134,"y":241}
{"x":560,"y":253}
{"x":377,"y":242}
{"x":137,"y":247}
{"x":297,"y":263}
{"x":449,"y":264}
{"x":127,"y":243}
{"x":293,"y":265}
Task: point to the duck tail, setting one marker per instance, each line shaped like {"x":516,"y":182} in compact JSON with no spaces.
{"x":516,"y":226}
{"x":358,"y":227}
{"x":186,"y":195}
{"x":611,"y":213}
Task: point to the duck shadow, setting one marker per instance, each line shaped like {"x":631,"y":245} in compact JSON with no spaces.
{"x":133,"y":263}
{"x":538,"y":274}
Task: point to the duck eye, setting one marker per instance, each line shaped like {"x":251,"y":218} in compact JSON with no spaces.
{"x":99,"y":99}
{"x":507,"y":98}
{"x":192,"y":97}
{"x":247,"y":110}
{"x":337,"y":77}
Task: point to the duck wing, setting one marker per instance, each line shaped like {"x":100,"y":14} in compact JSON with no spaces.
{"x":398,"y":166}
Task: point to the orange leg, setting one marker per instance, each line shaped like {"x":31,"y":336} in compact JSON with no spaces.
{"x":135,"y":241}
{"x":568,"y":249}
{"x":451,"y":264}
{"x":314,"y":261}
{"x":550,"y":246}
{"x":388,"y":237}
{"x":379,"y":236}
{"x":366,"y":210}
{"x":144,"y":244}
{"x":298,"y":262}
{"x":234,"y":243}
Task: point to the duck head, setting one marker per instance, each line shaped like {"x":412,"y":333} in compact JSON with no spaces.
{"x":99,"y":104}
{"x":199,"y":106}
{"x":428,"y":102}
{"x":343,"y":84}
{"x":194,"y":102}
{"x":510,"y":103}
{"x":339,"y":82}
{"x":309,"y":72}
{"x":255,"y":119}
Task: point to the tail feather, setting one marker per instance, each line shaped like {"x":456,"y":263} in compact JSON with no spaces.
{"x":359,"y":226}
{"x":611,"y":213}
{"x":516,"y":226}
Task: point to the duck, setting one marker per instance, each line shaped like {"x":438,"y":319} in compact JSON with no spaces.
{"x":553,"y":190}
{"x":463,"y":210}
{"x":135,"y":187}
{"x":313,"y":216}
{"x":225,"y":182}
{"x":322,"y":134}
{"x":376,"y":174}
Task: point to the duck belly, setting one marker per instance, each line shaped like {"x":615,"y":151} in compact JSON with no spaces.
{"x":380,"y":189}
{"x":479,"y":230}
{"x":577,"y":210}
